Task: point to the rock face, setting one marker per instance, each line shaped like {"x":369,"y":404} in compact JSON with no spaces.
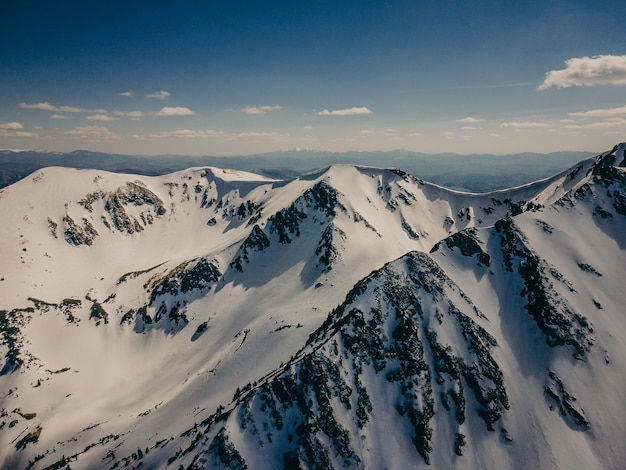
{"x":349,"y":318}
{"x":118,"y":218}
{"x":406,"y":330}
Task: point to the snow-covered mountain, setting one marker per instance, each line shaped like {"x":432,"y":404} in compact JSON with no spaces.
{"x":352,"y":317}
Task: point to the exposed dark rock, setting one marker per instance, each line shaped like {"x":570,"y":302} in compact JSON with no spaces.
{"x":256,"y":241}
{"x":552,"y":314}
{"x":558,"y":397}
{"x":79,"y":235}
{"x":186,"y":277}
{"x":468,"y":243}
{"x":384,"y":328}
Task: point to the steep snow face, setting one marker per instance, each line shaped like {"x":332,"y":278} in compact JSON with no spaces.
{"x":403,"y":349}
{"x":173,"y":311}
{"x":550,"y":282}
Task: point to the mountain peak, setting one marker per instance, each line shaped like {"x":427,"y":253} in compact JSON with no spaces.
{"x":215,"y":318}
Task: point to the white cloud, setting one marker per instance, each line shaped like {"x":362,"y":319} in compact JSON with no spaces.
{"x":609,"y":123}
{"x":175,"y":111}
{"x":524,"y":125}
{"x":159,"y":95}
{"x":101,"y":117}
{"x":308,"y":128}
{"x":14,"y":129}
{"x":131,"y":114}
{"x":5,"y":133}
{"x":261,"y":109}
{"x":470,"y":128}
{"x":204,"y":134}
{"x":182,"y":134}
{"x":367,"y":132}
{"x":345,"y":112}
{"x":126,"y":93}
{"x":11,"y":126}
{"x":74,"y":109}
{"x":601,"y":112}
{"x":44,"y":106}
{"x":257,"y":135}
{"x":60,"y":116}
{"x":470,"y":120}
{"x":588,"y":71}
{"x":91,"y":133}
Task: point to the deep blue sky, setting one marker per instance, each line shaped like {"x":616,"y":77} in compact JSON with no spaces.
{"x":220,"y":78}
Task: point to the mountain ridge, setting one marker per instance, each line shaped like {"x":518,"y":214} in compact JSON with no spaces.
{"x":477,"y":173}
{"x":193,"y":319}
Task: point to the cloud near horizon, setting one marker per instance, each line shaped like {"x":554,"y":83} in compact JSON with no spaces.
{"x":346,"y":112}
{"x":261,"y":109}
{"x":524,"y":125}
{"x":619,"y":123}
{"x":209,"y":133}
{"x":588,"y":71}
{"x":607,"y":112}
{"x":14,"y":129}
{"x":91,"y":133}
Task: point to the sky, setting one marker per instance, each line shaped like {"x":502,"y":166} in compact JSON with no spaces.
{"x":243,"y":77}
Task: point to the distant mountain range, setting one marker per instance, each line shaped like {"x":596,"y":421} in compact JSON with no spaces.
{"x":477,"y":173}
{"x":350,"y":317}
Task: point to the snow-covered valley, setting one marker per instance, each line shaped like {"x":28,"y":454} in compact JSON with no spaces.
{"x":353,"y":317}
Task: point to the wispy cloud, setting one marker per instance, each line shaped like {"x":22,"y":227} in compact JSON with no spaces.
{"x":60,"y":116}
{"x":524,"y":125}
{"x":308,"y":128}
{"x":181,"y":134}
{"x":449,"y":135}
{"x":607,"y":112}
{"x":101,"y":117}
{"x":261,"y":109}
{"x":45,"y":106}
{"x":606,"y":124}
{"x":258,"y":135}
{"x":470,"y":128}
{"x":159,"y":95}
{"x":131,"y":114}
{"x":74,"y":109}
{"x":345,"y":112}
{"x":210,"y":134}
{"x":588,"y":71}
{"x":175,"y":111}
{"x":91,"y":133}
{"x":367,"y":132}
{"x":128,"y":94}
{"x":469,"y":120}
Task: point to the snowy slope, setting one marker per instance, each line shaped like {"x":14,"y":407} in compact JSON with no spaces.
{"x":155,"y":319}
